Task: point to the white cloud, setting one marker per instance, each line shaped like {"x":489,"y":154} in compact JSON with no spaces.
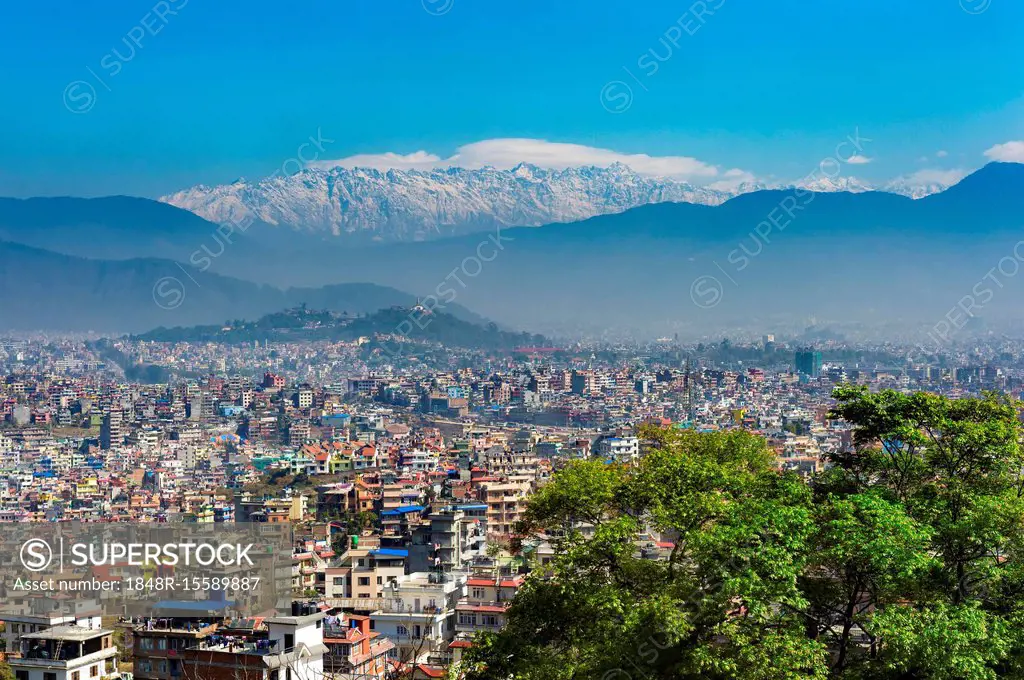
{"x":935,"y":176}
{"x":857,"y":159}
{"x":941,"y":153}
{"x":505,"y":153}
{"x":732,"y":179}
{"x":418,"y":160}
{"x":1009,"y":152}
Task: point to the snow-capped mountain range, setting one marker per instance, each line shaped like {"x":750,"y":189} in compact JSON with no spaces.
{"x":406,"y":205}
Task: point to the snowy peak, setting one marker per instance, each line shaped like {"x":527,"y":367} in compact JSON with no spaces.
{"x":412,"y":205}
{"x":403,"y":205}
{"x":834,"y":184}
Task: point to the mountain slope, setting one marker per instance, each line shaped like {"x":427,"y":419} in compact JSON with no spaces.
{"x":41,"y":290}
{"x":121,"y":227}
{"x":869,"y":257}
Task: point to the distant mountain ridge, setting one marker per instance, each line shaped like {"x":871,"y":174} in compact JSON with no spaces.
{"x":412,"y":205}
{"x":42,"y":290}
{"x":867,"y":257}
{"x":870,"y":257}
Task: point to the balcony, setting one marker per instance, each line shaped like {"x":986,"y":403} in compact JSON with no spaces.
{"x":44,"y":660}
{"x":400,"y":607}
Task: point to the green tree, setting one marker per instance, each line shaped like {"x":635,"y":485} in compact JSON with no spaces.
{"x":946,"y":476}
{"x":724,"y":604}
{"x":903,"y":559}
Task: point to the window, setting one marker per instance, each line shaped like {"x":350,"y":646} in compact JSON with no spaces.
{"x":76,"y":675}
{"x":21,"y":675}
{"x":49,"y":676}
{"x":146,"y":643}
{"x":402,"y":631}
{"x":144,"y":665}
{"x":289,"y":641}
{"x":380,"y":580}
{"x":94,"y":671}
{"x":339,"y":580}
{"x":490,"y":620}
{"x":478,"y":593}
{"x":364,"y":580}
{"x":467,"y":619}
{"x":161,"y":643}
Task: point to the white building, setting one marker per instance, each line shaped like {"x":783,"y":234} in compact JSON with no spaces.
{"x":620,"y":449}
{"x":420,"y":615}
{"x":66,"y":653}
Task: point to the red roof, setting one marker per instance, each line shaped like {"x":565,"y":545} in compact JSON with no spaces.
{"x":484,"y":608}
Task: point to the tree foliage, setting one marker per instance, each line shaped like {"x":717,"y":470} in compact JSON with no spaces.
{"x":902,"y":560}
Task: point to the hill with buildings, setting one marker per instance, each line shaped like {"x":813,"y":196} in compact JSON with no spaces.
{"x":385,"y":328}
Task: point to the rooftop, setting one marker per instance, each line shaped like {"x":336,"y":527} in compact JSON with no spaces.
{"x":66,"y":633}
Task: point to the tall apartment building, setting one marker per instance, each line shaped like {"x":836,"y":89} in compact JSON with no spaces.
{"x":452,"y":540}
{"x":808,"y":362}
{"x":583,"y":382}
{"x":363,"y":574}
{"x":111,"y":432}
{"x":506,"y":502}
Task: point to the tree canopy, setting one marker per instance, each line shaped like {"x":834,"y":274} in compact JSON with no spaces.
{"x":903,"y":559}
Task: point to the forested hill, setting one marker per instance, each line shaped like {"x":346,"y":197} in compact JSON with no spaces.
{"x":302,"y":324}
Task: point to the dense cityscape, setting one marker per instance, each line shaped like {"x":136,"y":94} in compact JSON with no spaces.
{"x":451,"y":340}
{"x":404,"y":481}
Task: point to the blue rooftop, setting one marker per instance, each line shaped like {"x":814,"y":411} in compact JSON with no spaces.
{"x":404,"y":509}
{"x":194,"y":605}
{"x":390,"y":552}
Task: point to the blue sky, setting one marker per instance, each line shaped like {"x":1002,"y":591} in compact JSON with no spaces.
{"x":222,"y":89}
